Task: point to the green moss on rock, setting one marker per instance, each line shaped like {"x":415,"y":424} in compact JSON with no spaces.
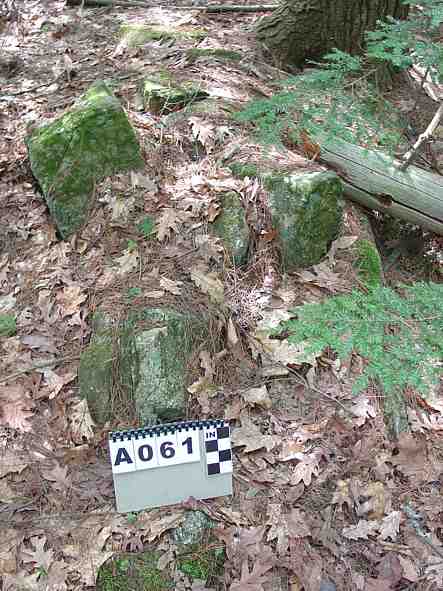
{"x":95,"y":373}
{"x":8,"y":325}
{"x":162,"y":344}
{"x":161,"y":93}
{"x":69,"y":155}
{"x":242,"y":171}
{"x":139,"y":34}
{"x":368,"y":263}
{"x":218,"y":53}
{"x":133,"y":572}
{"x":144,"y":358}
{"x":232,"y":228}
{"x":307,"y":212}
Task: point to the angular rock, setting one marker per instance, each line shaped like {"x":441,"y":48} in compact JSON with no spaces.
{"x":144,"y":358}
{"x":231,"y":226}
{"x":307,"y":211}
{"x":135,"y":35}
{"x":68,"y":156}
{"x":95,"y":374}
{"x":161,"y":94}
{"x":158,"y":370}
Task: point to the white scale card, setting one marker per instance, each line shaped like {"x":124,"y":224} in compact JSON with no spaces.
{"x":166,"y":464}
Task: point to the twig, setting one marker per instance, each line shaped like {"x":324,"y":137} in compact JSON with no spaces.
{"x":423,"y":138}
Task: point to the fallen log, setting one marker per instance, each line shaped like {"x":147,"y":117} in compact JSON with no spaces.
{"x":376,"y":181}
{"x":211,"y":8}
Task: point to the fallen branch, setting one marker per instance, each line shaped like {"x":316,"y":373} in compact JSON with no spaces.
{"x":425,"y":137}
{"x":214,"y":8}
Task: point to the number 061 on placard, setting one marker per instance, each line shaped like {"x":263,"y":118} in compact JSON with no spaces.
{"x":166,"y":464}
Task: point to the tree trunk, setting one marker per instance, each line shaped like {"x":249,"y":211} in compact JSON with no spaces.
{"x":307,"y":29}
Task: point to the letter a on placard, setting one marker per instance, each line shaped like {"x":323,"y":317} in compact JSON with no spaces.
{"x":122,"y":456}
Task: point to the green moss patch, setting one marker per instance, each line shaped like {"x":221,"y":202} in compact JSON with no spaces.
{"x":8,"y":325}
{"x":133,"y":572}
{"x":368,"y":263}
{"x":202,"y":564}
{"x":160,"y":93}
{"x":244,"y":170}
{"x":307,"y":211}
{"x":221,"y":54}
{"x":136,"y":35}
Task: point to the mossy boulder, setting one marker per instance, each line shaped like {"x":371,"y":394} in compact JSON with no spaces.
{"x":144,"y":358}
{"x":135,"y":35}
{"x":68,"y":156}
{"x":161,"y":94}
{"x":307,"y":212}
{"x":231,"y":227}
{"x":133,"y":572}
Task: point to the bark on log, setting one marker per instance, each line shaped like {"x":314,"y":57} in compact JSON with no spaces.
{"x":375,"y":180}
{"x":308,"y":29}
{"x":212,"y":8}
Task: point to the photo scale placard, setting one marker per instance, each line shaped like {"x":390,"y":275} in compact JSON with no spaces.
{"x":167,"y":464}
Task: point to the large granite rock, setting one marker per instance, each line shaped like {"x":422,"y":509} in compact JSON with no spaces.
{"x":144,"y":358}
{"x":68,"y":156}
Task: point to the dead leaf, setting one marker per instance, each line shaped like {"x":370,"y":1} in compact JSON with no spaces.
{"x":210,"y":284}
{"x":254,"y":580}
{"x":81,"y":421}
{"x":11,"y":462}
{"x":389,"y":569}
{"x":361,"y":531}
{"x":89,"y":557}
{"x":363,"y":408}
{"x":278,"y":529}
{"x":171,"y":286}
{"x":9,"y":542}
{"x":390,"y":526}
{"x":169,"y":222}
{"x":203,"y":389}
{"x":54,"y":383}
{"x":410,"y":570}
{"x":258,"y":397}
{"x":308,"y":466}
{"x":70,"y":299}
{"x":159,"y":526}
{"x":127,"y":262}
{"x":201,"y":130}
{"x":40,"y":342}
{"x":250,"y":436}
{"x":16,"y":407}
{"x":59,"y":476}
{"x":39,"y":556}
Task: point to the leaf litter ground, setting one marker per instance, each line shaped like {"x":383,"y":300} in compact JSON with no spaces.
{"x":321,"y":495}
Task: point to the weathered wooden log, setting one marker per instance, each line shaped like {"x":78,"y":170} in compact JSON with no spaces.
{"x":376,"y":180}
{"x":212,"y":8}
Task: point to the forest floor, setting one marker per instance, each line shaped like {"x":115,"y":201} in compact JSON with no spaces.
{"x":320,"y":491}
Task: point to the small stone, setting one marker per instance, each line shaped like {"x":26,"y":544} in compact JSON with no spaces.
{"x":193,"y":529}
